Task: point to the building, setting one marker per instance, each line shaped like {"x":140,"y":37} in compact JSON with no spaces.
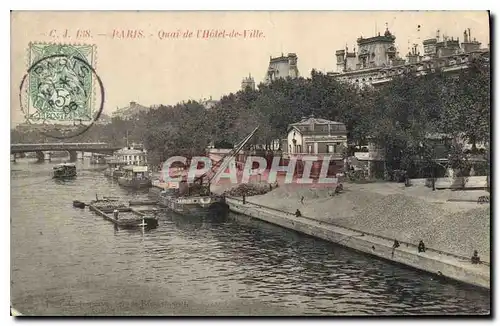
{"x":248,"y":82}
{"x":315,"y":137}
{"x":311,"y":136}
{"x":127,"y":112}
{"x":378,"y":60}
{"x":208,"y":103}
{"x":132,"y":156}
{"x":282,"y":67}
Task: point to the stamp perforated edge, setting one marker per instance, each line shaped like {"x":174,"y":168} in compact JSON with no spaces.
{"x":93,"y":64}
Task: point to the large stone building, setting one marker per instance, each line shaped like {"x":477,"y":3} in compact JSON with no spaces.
{"x":282,"y":67}
{"x":248,"y":82}
{"x":378,"y":61}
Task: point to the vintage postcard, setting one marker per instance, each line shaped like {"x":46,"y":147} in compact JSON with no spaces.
{"x":251,"y":163}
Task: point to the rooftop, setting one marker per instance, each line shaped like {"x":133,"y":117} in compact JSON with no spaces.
{"x":317,"y":126}
{"x":317,"y":121}
{"x":132,"y":109}
{"x":130,"y":151}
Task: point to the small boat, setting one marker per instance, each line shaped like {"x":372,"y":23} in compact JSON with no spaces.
{"x":128,"y":219}
{"x":136,"y":177}
{"x":78,"y":204}
{"x":64,"y":170}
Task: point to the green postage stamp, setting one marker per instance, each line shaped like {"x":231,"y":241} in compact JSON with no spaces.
{"x":61,"y":85}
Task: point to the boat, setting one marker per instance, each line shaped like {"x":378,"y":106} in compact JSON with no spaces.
{"x":201,"y":204}
{"x":79,"y":204}
{"x":196,"y":198}
{"x":128,"y":219}
{"x":114,"y":168}
{"x":135,"y":177}
{"x":109,"y":204}
{"x":64,"y":170}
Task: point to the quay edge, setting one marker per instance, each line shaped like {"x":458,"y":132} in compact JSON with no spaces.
{"x":432,"y":261}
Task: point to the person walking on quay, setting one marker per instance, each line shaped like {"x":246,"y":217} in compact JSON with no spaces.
{"x":475,"y":258}
{"x":394,"y":246}
{"x":421,"y":246}
{"x":302,"y":200}
{"x":115,"y":213}
{"x":298,"y":213}
{"x":244,"y":199}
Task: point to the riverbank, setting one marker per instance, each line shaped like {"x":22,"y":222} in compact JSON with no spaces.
{"x":392,"y":211}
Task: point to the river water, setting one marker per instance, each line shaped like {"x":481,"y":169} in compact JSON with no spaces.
{"x":68,"y":261}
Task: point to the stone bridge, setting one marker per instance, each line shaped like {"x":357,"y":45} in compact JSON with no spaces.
{"x":72,"y":148}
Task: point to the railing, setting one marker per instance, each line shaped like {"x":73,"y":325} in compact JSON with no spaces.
{"x":318,"y":155}
{"x":76,"y":146}
{"x":358,"y":231}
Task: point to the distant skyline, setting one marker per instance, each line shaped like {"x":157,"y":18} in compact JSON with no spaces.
{"x":152,"y":71}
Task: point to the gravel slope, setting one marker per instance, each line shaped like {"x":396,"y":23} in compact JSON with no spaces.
{"x":410,"y":214}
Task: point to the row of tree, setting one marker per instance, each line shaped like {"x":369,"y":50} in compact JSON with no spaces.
{"x":398,"y":116}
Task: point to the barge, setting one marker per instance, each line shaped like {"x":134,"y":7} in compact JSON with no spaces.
{"x":127,"y":219}
{"x":135,"y":177}
{"x":196,"y":198}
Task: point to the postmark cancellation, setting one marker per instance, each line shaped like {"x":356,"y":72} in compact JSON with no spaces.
{"x":60,"y":83}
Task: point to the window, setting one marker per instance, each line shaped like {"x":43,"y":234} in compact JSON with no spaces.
{"x":330,"y":149}
{"x":309,"y":149}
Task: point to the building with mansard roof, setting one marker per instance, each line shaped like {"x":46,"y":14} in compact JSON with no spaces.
{"x":378,"y":60}
{"x":282,"y":67}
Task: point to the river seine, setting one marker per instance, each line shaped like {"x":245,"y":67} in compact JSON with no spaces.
{"x":69,"y":261}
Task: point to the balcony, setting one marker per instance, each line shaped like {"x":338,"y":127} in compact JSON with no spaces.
{"x":319,"y":156}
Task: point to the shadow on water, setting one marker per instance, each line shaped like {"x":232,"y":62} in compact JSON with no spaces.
{"x":189,"y":222}
{"x":65,"y":181}
{"x":133,"y":231}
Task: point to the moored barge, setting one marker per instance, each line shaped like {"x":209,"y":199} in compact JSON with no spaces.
{"x":196,"y":198}
{"x":127,"y":218}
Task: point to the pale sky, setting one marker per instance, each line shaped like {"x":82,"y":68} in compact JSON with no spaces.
{"x":152,"y":71}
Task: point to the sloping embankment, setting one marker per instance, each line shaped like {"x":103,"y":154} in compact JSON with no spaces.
{"x":408,"y":215}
